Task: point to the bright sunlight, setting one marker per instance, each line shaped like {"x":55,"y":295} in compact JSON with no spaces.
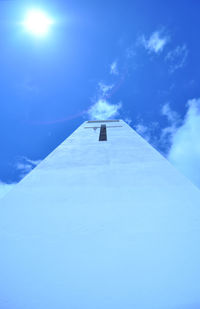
{"x":37,"y":22}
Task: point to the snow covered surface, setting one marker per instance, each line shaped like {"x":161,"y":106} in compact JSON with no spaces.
{"x":101,"y":225}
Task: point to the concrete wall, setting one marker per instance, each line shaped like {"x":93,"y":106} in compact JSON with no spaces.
{"x":101,"y":225}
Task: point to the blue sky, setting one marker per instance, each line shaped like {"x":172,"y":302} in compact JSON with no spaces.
{"x":134,"y":60}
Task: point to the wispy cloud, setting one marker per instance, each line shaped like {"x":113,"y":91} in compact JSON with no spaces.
{"x":27,"y":86}
{"x":130,"y":52}
{"x":185,"y":148}
{"x":171,"y":115}
{"x":128,"y":120}
{"x":147,"y":131}
{"x":104,"y":89}
{"x":177,"y":58}
{"x":142,"y":130}
{"x":25,"y":165}
{"x":155,"y":43}
{"x":114,"y":68}
{"x":102,"y":109}
{"x":174,"y":122}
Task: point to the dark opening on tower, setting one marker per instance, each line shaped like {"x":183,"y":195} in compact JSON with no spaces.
{"x":103,"y":133}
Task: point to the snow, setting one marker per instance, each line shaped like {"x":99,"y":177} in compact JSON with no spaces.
{"x":101,"y":225}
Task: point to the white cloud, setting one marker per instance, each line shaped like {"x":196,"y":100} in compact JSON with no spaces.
{"x":180,"y":138}
{"x":128,"y":120}
{"x":104,"y":89}
{"x":177,"y":58}
{"x":114,"y":69}
{"x":141,"y":129}
{"x":33,"y":162}
{"x":130,"y":52}
{"x":103,"y":110}
{"x":171,"y":115}
{"x":167,"y":133}
{"x":155,"y":43}
{"x":5,"y":188}
{"x":25,"y":165}
{"x":147,"y":132}
{"x":185,"y":148}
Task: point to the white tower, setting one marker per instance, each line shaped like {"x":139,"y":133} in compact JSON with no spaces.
{"x":104,"y":222}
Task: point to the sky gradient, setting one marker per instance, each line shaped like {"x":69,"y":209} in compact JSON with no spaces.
{"x":133,"y":60}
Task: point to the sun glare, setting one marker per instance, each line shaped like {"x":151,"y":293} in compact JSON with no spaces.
{"x":37,"y":22}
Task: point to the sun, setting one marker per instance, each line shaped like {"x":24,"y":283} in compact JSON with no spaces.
{"x":37,"y":22}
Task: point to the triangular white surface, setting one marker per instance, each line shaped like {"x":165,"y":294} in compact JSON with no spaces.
{"x":101,"y":225}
